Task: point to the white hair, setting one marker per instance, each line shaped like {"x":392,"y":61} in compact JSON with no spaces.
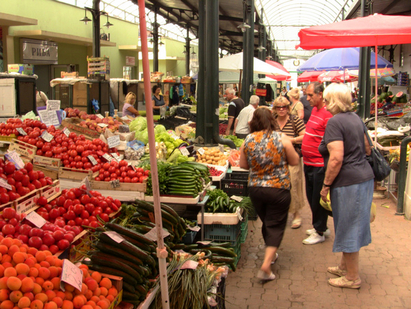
{"x":230,"y":91}
{"x":254,"y":100}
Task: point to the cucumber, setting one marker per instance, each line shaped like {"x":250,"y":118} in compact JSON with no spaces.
{"x":117,"y":262}
{"x":222,"y":251}
{"x":129,"y":248}
{"x":130,"y":233}
{"x":114,"y":250}
{"x":150,"y":208}
{"x":115,"y":272}
{"x":129,"y":288}
{"x":222,"y":259}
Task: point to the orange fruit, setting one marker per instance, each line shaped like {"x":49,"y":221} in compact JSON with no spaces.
{"x":7,"y":304}
{"x":13,"y":283}
{"x":42,"y":297}
{"x":67,"y":304}
{"x":78,"y":302}
{"x":40,"y":256}
{"x":19,"y":257}
{"x":47,"y":285}
{"x":22,"y":268}
{"x":10,"y":272}
{"x":24,"y":302}
{"x":4,"y":294}
{"x":96,"y":276}
{"x":106,"y":283}
{"x":50,"y":305}
{"x":36,"y":304}
{"x":44,"y":272}
{"x":27,"y":285}
{"x":15,"y":296}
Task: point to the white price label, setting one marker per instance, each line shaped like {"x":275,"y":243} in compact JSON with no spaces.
{"x":174,"y":136}
{"x":201,"y":151}
{"x":194,"y":228}
{"x":87,"y":183}
{"x":72,"y":275}
{"x":152,"y":235}
{"x":21,"y":131}
{"x":238,"y":211}
{"x":14,"y":157}
{"x":66,"y":132}
{"x":36,"y":219}
{"x":184,"y":151}
{"x":113,"y":141}
{"x":47,"y":136}
{"x":190,"y":264}
{"x":53,"y":105}
{"x":103,"y":125}
{"x":116,"y":156}
{"x":108,"y":157}
{"x":4,"y":184}
{"x":114,"y":236}
{"x":100,"y":116}
{"x":236,"y":198}
{"x":204,"y":242}
{"x":92,"y":160}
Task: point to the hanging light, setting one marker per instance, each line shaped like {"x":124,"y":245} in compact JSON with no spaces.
{"x":161,"y":42}
{"x":193,"y":53}
{"x":151,"y":40}
{"x":108,"y":24}
{"x":85,"y":18}
{"x":244,"y":27}
{"x":185,"y":51}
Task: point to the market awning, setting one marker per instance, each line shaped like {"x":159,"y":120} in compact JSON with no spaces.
{"x":14,"y":20}
{"x":59,"y":37}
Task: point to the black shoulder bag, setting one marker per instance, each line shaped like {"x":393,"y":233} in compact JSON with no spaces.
{"x":379,"y":165}
{"x":297,"y":147}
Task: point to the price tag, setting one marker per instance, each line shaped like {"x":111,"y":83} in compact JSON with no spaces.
{"x":221,"y":147}
{"x":201,"y":151}
{"x":236,"y":198}
{"x":103,"y":125}
{"x":204,"y":242}
{"x":114,"y":236}
{"x":49,"y":118}
{"x":173,"y":135}
{"x":190,"y":264}
{"x":125,"y":118}
{"x":113,"y":141}
{"x":4,"y":184}
{"x":116,"y":156}
{"x":100,"y":116}
{"x":152,"y":235}
{"x":194,"y":228}
{"x":238,"y":211}
{"x":66,"y":132}
{"x":21,"y":131}
{"x":36,"y":219}
{"x":72,"y":275}
{"x":115,"y":183}
{"x":184,"y":151}
{"x":92,"y":160}
{"x":108,"y":157}
{"x":53,"y":105}
{"x":14,"y":157}
{"x":87,"y":183}
{"x":47,"y":136}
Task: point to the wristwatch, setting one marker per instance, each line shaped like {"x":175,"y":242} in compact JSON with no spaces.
{"x":327,"y":186}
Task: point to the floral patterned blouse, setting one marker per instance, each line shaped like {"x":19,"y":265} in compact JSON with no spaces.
{"x":267,"y":160}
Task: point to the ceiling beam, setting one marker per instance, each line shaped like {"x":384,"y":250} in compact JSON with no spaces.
{"x":389,"y":6}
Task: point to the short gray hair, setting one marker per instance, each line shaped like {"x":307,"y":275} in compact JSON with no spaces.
{"x":254,"y":99}
{"x":230,"y":91}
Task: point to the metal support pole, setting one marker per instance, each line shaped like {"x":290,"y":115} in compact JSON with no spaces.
{"x":402,"y":176}
{"x":262,"y":42}
{"x":155,"y":38}
{"x":96,"y":28}
{"x":200,"y":119}
{"x":188,"y":47}
{"x":248,"y":54}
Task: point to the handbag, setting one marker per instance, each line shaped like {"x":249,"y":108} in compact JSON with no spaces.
{"x":379,"y":165}
{"x":297,"y":147}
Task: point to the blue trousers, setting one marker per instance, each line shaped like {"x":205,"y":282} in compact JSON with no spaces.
{"x":314,"y":178}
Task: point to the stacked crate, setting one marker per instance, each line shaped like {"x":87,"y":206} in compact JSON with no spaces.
{"x":98,"y":68}
{"x":403,"y":79}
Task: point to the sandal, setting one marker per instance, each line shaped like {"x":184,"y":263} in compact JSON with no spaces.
{"x":264,"y":276}
{"x":275,"y":259}
{"x":343,"y":282}
{"x":337,"y":271}
{"x":296,"y":223}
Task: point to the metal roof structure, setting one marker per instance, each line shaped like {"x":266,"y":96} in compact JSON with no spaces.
{"x":282,"y":18}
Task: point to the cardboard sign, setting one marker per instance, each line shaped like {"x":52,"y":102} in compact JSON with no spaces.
{"x":113,"y":141}
{"x":108,"y":157}
{"x":184,"y":151}
{"x":49,"y":118}
{"x":152,"y":235}
{"x":36,"y":219}
{"x":14,"y":157}
{"x":100,"y":116}
{"x":66,"y":132}
{"x":92,"y":160}
{"x":236,"y":198}
{"x":21,"y":131}
{"x":189,"y":265}
{"x":72,"y":275}
{"x":200,"y":151}
{"x":114,"y":236}
{"x":115,"y":183}
{"x":53,"y":105}
{"x":46,"y":136}
{"x":116,"y":156}
{"x":103,"y":125}
{"x":4,"y":184}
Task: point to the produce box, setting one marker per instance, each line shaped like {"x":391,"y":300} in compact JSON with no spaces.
{"x":219,"y":218}
{"x":75,"y":174}
{"x":174,"y":200}
{"x":51,"y":192}
{"x":53,"y":174}
{"x":122,"y":186}
{"x":7,"y":138}
{"x":222,"y":232}
{"x":235,"y":187}
{"x":46,"y":162}
{"x":22,"y":148}
{"x":73,"y":124}
{"x":27,"y":203}
{"x":26,"y":69}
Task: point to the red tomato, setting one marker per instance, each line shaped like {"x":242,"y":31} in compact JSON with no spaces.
{"x":131,"y":173}
{"x":78,"y":209}
{"x":134,"y":179}
{"x":63,"y":244}
{"x":9,"y":168}
{"x":147,"y":172}
{"x":42,"y":201}
{"x":35,"y":242}
{"x":127,"y":179}
{"x":105,"y":217}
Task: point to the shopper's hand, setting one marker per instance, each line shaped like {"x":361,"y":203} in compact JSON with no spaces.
{"x":324,"y":193}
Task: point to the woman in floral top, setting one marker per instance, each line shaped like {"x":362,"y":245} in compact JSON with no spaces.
{"x":267,"y":154}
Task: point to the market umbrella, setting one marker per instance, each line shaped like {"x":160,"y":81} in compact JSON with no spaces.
{"x":309,"y":76}
{"x":380,"y":72}
{"x":279,"y":66}
{"x":340,"y":59}
{"x":337,"y":76}
{"x":371,"y":30}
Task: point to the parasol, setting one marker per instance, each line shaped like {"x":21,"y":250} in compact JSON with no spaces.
{"x":371,"y":30}
{"x":309,"y":76}
{"x":279,"y":66}
{"x":337,"y":76}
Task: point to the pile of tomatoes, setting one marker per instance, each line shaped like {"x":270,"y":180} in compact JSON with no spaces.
{"x":121,"y":171}
{"x":22,"y":181}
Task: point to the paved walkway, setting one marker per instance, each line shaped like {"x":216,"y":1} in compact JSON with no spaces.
{"x":301,"y":270}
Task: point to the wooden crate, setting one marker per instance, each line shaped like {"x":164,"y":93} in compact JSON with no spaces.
{"x":27,"y":203}
{"x":105,"y":185}
{"x":98,"y":67}
{"x":53,"y":174}
{"x":47,"y":162}
{"x":75,"y":174}
{"x":24,"y":149}
{"x":73,"y":125}
{"x":50,"y":192}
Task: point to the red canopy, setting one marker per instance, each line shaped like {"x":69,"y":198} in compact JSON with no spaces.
{"x":278,"y":66}
{"x":337,"y":76}
{"x":372,"y":30}
{"x":309,"y":76}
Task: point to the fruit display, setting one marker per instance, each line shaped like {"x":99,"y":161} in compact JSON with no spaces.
{"x":100,"y":125}
{"x":214,"y":172}
{"x":17,"y":183}
{"x":121,"y":171}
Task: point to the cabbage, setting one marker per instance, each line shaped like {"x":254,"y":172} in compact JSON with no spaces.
{"x":138,"y":124}
{"x":159,"y":129}
{"x":142,"y":136}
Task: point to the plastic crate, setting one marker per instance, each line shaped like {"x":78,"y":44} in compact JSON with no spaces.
{"x":237,"y":175}
{"x":237,"y":250}
{"x":234,"y":187}
{"x":222,"y":232}
{"x":189,"y":237}
{"x":244,"y":229}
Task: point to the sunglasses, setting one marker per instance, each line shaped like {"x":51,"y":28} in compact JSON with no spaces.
{"x":281,"y":107}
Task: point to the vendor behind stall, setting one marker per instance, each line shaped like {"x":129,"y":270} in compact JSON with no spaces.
{"x":128,"y":107}
{"x":41,"y":98}
{"x":158,"y":100}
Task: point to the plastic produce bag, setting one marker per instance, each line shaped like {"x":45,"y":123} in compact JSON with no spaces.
{"x":134,"y":151}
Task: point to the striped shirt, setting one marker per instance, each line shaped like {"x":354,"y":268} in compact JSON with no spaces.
{"x":288,"y":128}
{"x":314,"y":133}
